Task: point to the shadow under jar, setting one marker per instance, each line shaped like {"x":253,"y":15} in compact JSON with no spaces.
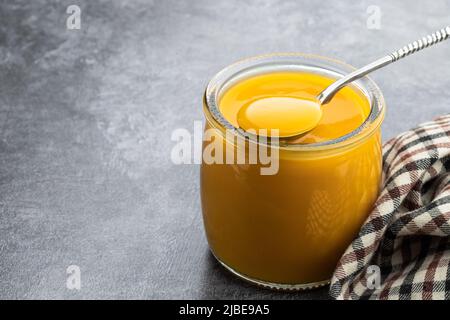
{"x":288,"y":230}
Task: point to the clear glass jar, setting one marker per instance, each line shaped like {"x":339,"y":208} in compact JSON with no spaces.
{"x":277,"y":230}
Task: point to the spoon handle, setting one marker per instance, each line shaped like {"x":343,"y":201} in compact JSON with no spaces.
{"x":410,"y":48}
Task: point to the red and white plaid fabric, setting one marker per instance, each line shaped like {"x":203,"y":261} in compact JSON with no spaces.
{"x":407,"y":235}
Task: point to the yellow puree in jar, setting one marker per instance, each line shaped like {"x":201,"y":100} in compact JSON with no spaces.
{"x":291,"y":227}
{"x":286,"y":101}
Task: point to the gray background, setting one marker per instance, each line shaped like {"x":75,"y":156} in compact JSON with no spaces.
{"x":86,"y":118}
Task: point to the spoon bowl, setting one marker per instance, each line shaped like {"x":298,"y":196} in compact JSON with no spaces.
{"x":290,"y":116}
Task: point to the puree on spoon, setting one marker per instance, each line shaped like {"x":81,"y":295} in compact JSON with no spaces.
{"x":292,"y":116}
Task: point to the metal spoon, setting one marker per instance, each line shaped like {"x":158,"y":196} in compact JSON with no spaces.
{"x":326,"y":95}
{"x":410,"y":48}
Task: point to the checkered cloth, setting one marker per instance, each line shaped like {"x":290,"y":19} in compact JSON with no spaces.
{"x":403,"y":249}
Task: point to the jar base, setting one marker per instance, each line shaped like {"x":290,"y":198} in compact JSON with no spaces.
{"x":272,"y":285}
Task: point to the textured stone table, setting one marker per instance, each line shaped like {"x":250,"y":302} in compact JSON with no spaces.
{"x":86,"y":118}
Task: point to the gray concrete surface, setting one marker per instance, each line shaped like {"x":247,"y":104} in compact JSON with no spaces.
{"x":86,"y":117}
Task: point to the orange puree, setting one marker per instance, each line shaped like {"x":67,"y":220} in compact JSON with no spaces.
{"x":291,"y":227}
{"x":343,"y":114}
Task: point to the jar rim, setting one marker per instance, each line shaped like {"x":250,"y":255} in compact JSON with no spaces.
{"x":295,"y":62}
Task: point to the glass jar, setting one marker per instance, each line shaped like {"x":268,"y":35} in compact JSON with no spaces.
{"x":288,"y":230}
